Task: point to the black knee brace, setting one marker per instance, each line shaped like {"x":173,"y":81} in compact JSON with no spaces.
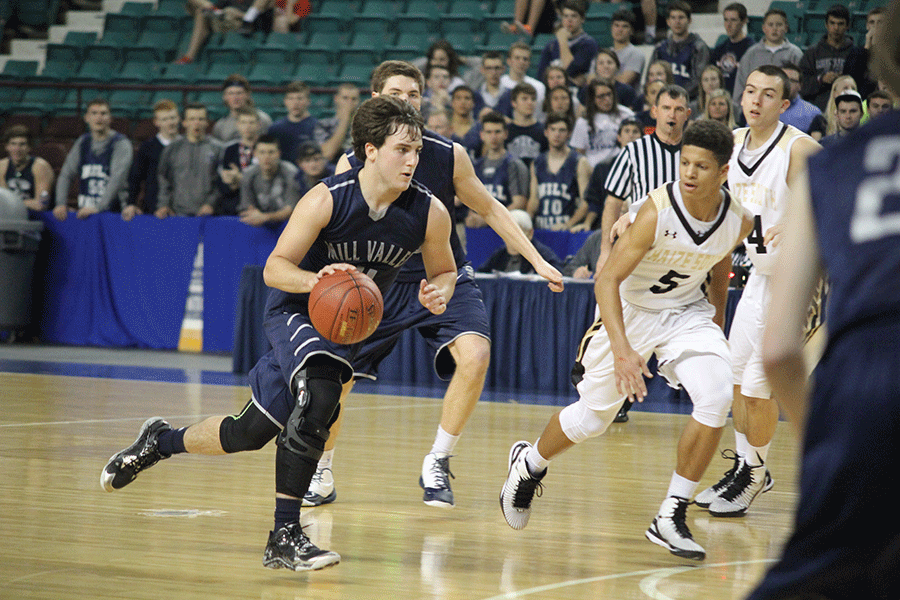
{"x":250,"y":430}
{"x":302,"y":441}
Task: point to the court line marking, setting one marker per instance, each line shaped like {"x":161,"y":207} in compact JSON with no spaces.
{"x":647,"y":585}
{"x":428,"y":402}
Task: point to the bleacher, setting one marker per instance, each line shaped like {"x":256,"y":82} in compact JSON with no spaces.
{"x":130,"y":62}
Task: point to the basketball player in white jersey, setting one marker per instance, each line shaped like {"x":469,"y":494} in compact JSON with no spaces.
{"x":767,"y":157}
{"x":652,"y":300}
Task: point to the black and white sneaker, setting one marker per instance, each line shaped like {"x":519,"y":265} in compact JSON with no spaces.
{"x":435,"y":480}
{"x":520,"y":487}
{"x":321,"y":489}
{"x":290,"y":548}
{"x":746,"y":484}
{"x":706,"y":497}
{"x":669,"y":529}
{"x":123,"y":467}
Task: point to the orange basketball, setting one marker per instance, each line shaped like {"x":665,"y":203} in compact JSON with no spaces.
{"x":346,"y":307}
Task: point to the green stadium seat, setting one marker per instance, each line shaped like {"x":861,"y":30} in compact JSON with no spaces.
{"x":139,"y":9}
{"x":177,"y":73}
{"x":286,"y":41}
{"x":126,"y":26}
{"x":9,"y":98}
{"x":315,"y":75}
{"x":19,"y":69}
{"x":43,"y":101}
{"x":269,"y":74}
{"x":39,"y":14}
{"x":478,"y":9}
{"x":137,"y":71}
{"x":500,"y":41}
{"x":356,"y":74}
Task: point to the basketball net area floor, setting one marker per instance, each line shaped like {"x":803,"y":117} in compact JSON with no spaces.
{"x":195,"y":526}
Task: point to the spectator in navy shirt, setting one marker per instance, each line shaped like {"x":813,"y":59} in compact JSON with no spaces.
{"x":143,"y":183}
{"x":314,"y":167}
{"x":727,"y":54}
{"x":572,"y":49}
{"x":298,"y":126}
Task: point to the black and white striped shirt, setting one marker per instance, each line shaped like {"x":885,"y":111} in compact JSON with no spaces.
{"x":642,"y":166}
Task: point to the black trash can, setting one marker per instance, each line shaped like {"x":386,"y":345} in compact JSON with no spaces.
{"x":19,"y":240}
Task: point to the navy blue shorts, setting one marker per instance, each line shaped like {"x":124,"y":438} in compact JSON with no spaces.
{"x":293,"y":340}
{"x":465,"y":314}
{"x":846,"y":543}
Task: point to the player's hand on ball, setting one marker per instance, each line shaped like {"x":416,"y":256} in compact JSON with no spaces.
{"x":630,"y":369}
{"x":432,"y":298}
{"x":329,"y":269}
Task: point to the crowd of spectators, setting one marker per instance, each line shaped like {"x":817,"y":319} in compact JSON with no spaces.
{"x":543,"y":145}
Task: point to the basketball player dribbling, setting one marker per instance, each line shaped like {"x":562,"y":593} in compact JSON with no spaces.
{"x":296,"y":387}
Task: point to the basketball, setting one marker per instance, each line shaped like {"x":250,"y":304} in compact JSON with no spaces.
{"x":346,"y":307}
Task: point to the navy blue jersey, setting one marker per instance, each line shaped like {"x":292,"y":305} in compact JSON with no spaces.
{"x":291,"y":134}
{"x":377,"y":245}
{"x":95,"y":171}
{"x":435,"y":172}
{"x":557,"y":192}
{"x":857,"y":218}
{"x":498,"y":181}
{"x":20,"y":181}
{"x":144,"y":169}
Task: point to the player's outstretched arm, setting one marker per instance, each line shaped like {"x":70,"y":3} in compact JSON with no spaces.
{"x":630,"y":367}
{"x":797,"y":271}
{"x":473,"y":194}
{"x":310,"y":216}
{"x":440,"y":267}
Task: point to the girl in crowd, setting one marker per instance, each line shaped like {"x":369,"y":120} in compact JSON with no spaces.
{"x":595,"y":134}
{"x":719,"y":108}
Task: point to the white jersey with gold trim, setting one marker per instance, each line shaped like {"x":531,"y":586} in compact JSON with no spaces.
{"x":758,"y":180}
{"x":673,"y":271}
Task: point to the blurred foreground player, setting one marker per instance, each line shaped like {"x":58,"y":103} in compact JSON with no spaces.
{"x":652,"y":300}
{"x":371,"y":218}
{"x":845,"y":221}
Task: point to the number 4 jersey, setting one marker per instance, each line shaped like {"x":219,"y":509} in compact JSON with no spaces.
{"x":674,"y":269}
{"x":758,"y":180}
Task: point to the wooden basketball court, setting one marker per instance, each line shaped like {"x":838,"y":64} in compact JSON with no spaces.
{"x":195,"y":527}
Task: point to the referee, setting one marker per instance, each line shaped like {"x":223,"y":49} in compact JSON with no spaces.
{"x":646,"y":163}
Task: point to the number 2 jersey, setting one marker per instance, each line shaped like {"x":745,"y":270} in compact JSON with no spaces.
{"x":758,"y":180}
{"x":672,"y":272}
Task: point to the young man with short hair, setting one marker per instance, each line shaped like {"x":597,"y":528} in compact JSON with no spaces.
{"x":631,"y":60}
{"x":312,"y":165}
{"x":572,"y":48}
{"x":800,"y":113}
{"x":518,"y":60}
{"x":652,"y":297}
{"x":29,"y":177}
{"x":559,"y":179}
{"x":685,"y":51}
{"x":829,"y":58}
{"x":236,"y":95}
{"x":333,"y":133}
{"x":727,"y":54}
{"x":878,"y":103}
{"x":505,"y":177}
{"x":298,"y":125}
{"x":236,"y":158}
{"x":526,"y":137}
{"x":188,"y":176}
{"x":492,"y":71}
{"x":269,"y":189}
{"x":297,"y":386}
{"x":849,"y":110}
{"x":146,"y":162}
{"x":773,"y":49}
{"x":768,"y":155}
{"x":101,"y":160}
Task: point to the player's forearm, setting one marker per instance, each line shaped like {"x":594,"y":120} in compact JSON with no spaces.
{"x":606,"y":290}
{"x":612,"y":210}
{"x":499,"y":220}
{"x":282,"y":274}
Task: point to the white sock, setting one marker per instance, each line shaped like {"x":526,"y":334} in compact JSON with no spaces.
{"x":444,"y":443}
{"x":757,"y":454}
{"x":536,"y":463}
{"x":251,"y":14}
{"x":681,"y":487}
{"x":741,"y":445}
{"x":327,"y":457}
